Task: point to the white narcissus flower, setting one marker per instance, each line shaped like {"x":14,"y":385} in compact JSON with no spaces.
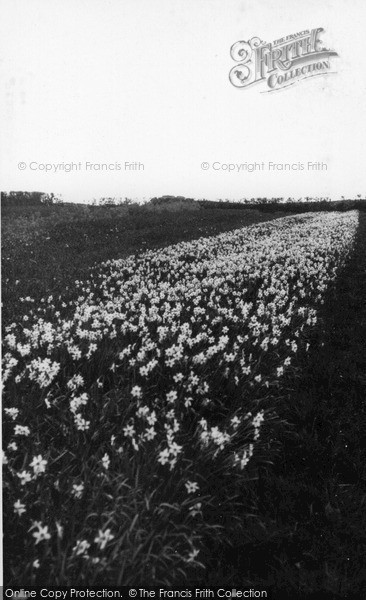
{"x":192,"y":555}
{"x":129,"y":431}
{"x":136,"y":391}
{"x":235,"y":421}
{"x":38,"y":464}
{"x":192,"y":487}
{"x":25,"y":477}
{"x":42,"y":533}
{"x":103,"y":538}
{"x":60,"y":530}
{"x":195,"y":509}
{"x":150,"y":433}
{"x":77,"y":490}
{"x":172,"y":396}
{"x":81,"y":547}
{"x":19,"y":507}
{"x":12,"y":412}
{"x":21,"y":430}
{"x":106,"y":461}
{"x":163,"y":456}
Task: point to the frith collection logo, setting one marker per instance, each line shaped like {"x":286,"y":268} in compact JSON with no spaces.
{"x":281,"y":63}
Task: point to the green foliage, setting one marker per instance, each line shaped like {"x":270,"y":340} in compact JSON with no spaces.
{"x":30,"y":199}
{"x":288,"y":206}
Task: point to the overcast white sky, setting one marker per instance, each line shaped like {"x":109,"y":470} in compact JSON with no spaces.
{"x":147,"y":81}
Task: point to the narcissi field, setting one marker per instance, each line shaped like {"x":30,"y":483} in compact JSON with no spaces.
{"x":177,"y":415}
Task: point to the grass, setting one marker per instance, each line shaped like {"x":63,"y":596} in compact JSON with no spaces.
{"x":301,"y":531}
{"x":45,"y":249}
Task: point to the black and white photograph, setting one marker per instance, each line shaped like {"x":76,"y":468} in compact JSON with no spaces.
{"x":183,"y":316}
